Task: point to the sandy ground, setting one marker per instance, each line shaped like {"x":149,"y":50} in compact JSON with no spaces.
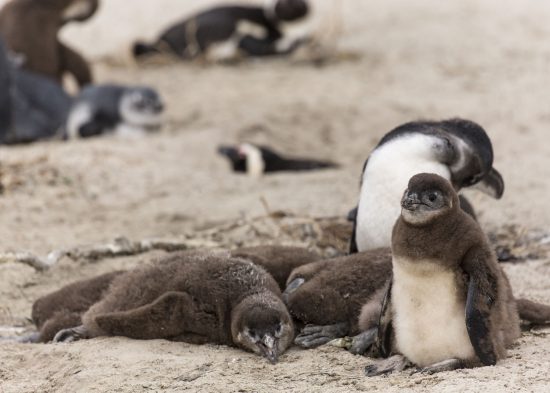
{"x":484,"y":60}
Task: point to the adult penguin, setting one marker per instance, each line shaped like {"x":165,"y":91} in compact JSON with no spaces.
{"x":459,"y":150}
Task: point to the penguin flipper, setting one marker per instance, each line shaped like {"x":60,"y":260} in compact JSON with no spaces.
{"x":384,"y":341}
{"x":352,"y":243}
{"x":478,"y":323}
{"x":164,"y":318}
{"x":491,"y":184}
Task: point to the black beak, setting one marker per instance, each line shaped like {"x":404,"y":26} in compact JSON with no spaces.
{"x":410,"y":201}
{"x":268,"y":348}
{"x":228,"y":151}
{"x":158,"y":107}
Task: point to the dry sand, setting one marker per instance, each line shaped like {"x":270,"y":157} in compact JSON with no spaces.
{"x":484,"y":60}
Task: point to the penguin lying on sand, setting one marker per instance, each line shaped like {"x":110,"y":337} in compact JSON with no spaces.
{"x":64,"y":308}
{"x":326,"y":297}
{"x":224,"y":31}
{"x":196,"y":298}
{"x":457,"y":149}
{"x":257,"y":160}
{"x":122,"y":110}
{"x":31,"y":27}
{"x":449,"y":304}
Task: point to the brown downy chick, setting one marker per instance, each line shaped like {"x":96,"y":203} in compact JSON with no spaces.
{"x":449,"y":305}
{"x":327,"y":297}
{"x":30,"y":28}
{"x":193,"y":297}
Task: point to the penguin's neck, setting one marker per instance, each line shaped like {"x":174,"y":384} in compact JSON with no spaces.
{"x":385,"y":178}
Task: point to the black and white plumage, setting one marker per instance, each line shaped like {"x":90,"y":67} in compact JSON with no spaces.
{"x":122,"y":110}
{"x":224,"y":31}
{"x":458,"y":150}
{"x":33,"y":107}
{"x":257,"y":160}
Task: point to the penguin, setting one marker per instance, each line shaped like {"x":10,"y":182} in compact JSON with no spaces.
{"x":114,"y":109}
{"x":30,"y":29}
{"x":457,"y":149}
{"x":257,"y":160}
{"x":63,"y":308}
{"x":326,"y":297}
{"x":33,"y":107}
{"x":223,"y":32}
{"x":449,"y":304}
{"x":195,"y":297}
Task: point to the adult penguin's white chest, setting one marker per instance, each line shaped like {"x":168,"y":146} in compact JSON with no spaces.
{"x":385,"y":179}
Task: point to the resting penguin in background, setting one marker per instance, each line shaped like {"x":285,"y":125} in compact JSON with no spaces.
{"x":120,"y":110}
{"x":197,"y":298}
{"x":326,"y":297}
{"x":33,"y":107}
{"x":457,"y":149}
{"x":30,"y":29}
{"x":224,"y":31}
{"x":63,"y":308}
{"x":449,"y":304}
{"x":257,"y":160}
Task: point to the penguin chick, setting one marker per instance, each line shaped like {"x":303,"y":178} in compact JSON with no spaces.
{"x":30,"y":29}
{"x":279,"y":261}
{"x":327,"y":297}
{"x":193,"y":297}
{"x":257,"y":160}
{"x":63,"y":308}
{"x":449,"y":304}
{"x":123,"y":110}
{"x":458,"y":150}
{"x":227,"y":31}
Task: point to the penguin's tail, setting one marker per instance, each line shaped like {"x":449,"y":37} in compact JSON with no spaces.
{"x":533,"y":312}
{"x":142,"y":49}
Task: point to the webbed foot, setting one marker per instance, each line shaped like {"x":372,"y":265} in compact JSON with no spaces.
{"x":361,"y":343}
{"x":445,"y":365}
{"x":313,"y":336}
{"x":71,"y":334}
{"x":387,"y":366}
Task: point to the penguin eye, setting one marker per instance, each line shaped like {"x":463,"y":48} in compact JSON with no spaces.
{"x":432,"y":197}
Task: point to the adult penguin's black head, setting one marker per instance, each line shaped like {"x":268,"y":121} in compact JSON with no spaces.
{"x":474,"y":157}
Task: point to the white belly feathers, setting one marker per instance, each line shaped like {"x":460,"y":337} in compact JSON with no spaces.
{"x":428,"y":315}
{"x":385,"y":179}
